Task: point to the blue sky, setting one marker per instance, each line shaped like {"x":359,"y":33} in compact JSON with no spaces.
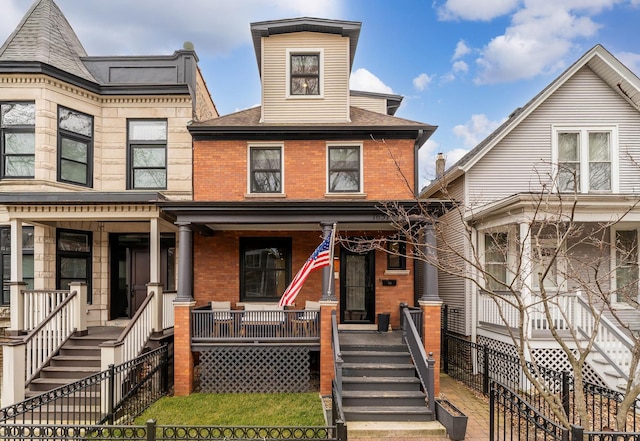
{"x":463,"y":65}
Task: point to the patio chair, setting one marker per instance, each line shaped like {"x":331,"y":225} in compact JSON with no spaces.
{"x":222,"y":318}
{"x":307,"y":319}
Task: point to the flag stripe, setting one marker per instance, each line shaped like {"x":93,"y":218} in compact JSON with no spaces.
{"x":318,"y":259}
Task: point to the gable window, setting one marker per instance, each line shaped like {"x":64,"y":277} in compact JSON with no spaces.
{"x":265,"y":169}
{"x":75,"y":145}
{"x":17,"y":139}
{"x":626,"y":258}
{"x":344,"y":169}
{"x":396,"y":254}
{"x":73,"y":259}
{"x":586,"y":160}
{"x":147,"y":150}
{"x":27,"y":261}
{"x":265,"y":267}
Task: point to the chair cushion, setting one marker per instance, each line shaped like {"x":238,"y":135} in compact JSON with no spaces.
{"x":221,"y":306}
{"x":313,"y":306}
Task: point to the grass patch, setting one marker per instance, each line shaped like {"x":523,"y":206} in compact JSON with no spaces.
{"x":303,"y":409}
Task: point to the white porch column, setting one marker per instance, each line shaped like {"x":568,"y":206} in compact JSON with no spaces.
{"x":13,"y":372}
{"x":17,"y":305}
{"x":111,"y":353}
{"x":154,"y":250}
{"x":526,"y":273}
{"x":79,"y":307}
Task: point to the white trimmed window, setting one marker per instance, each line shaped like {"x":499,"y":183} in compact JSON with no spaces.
{"x":344,"y":169}
{"x":265,"y":169}
{"x":586,"y":159}
{"x":17,"y":139}
{"x":305,"y":73}
{"x":624,"y":252}
{"x":500,"y":254}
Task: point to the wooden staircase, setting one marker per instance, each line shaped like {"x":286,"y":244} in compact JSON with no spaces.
{"x":78,"y":358}
{"x":379,"y":381}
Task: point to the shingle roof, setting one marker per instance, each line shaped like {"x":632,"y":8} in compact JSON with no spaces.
{"x":45,"y":35}
{"x":250,"y":118}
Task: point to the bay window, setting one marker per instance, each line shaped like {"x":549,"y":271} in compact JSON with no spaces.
{"x":75,"y":144}
{"x":17,"y":139}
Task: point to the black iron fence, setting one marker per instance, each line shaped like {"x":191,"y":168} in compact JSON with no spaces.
{"x":117,"y":394}
{"x":153,"y":432}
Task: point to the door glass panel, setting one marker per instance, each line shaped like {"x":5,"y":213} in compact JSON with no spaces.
{"x":355,"y":285}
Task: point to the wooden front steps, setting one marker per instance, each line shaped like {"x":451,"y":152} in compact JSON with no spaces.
{"x":379,"y":382}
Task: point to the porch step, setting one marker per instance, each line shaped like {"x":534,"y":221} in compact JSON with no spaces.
{"x":382,"y":430}
{"x":379,"y":381}
{"x":67,"y":372}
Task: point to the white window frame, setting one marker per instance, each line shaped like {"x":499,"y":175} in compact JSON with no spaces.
{"x":584,"y":154}
{"x":614,"y":261}
{"x":267,"y":145}
{"x":512,"y":254}
{"x":301,"y":51}
{"x":560,"y":264}
{"x":359,"y":145}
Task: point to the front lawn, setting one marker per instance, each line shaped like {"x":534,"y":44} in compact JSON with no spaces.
{"x":302,"y":409}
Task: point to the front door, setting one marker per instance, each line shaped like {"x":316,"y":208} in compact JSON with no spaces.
{"x":357,"y":287}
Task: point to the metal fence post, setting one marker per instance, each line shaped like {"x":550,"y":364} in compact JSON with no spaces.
{"x":565,"y":393}
{"x":111,"y":388}
{"x":164,"y":381}
{"x":341,"y":431}
{"x":151,"y":430}
{"x":492,"y":415}
{"x":577,"y":433}
{"x":431,"y":362}
{"x":485,"y":364}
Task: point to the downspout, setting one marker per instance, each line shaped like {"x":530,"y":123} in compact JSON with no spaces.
{"x":416,"y":148}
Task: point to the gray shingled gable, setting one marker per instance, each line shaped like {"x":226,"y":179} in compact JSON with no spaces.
{"x":45,"y":35}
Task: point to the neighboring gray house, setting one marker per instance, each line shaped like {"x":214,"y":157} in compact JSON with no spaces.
{"x":585,"y":124}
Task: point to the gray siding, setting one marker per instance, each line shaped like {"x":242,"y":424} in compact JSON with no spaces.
{"x":522,"y":159}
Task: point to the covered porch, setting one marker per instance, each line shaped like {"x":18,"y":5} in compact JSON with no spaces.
{"x":230,"y":242}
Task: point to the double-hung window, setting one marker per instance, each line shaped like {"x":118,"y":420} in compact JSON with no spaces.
{"x":17,"y":139}
{"x":586,"y":159}
{"x":344,"y":169}
{"x":75,"y":145}
{"x":27,"y":260}
{"x":265,"y":169}
{"x":147,"y":147}
{"x":496,"y":261}
{"x":304,"y":72}
{"x":73,"y":259}
{"x":626,"y":259}
{"x":265,"y":267}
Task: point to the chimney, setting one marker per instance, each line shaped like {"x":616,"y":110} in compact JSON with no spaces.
{"x":439,"y":165}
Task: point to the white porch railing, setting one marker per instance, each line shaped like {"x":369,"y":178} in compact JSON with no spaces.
{"x":167,"y":309}
{"x":38,"y":304}
{"x":561,"y":310}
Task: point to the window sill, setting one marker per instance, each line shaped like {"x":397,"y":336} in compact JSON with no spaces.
{"x":345,"y":195}
{"x":397,"y":272}
{"x":305,"y":97}
{"x":265,"y":195}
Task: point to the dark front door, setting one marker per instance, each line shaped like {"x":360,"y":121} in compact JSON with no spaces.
{"x":139,"y":278}
{"x":357,"y":287}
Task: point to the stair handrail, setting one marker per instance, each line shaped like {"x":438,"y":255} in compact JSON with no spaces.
{"x":424,"y":365}
{"x":337,"y":354}
{"x":45,"y":340}
{"x":135,"y":336}
{"x":610,"y":341}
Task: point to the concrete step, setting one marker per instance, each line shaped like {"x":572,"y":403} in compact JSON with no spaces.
{"x":381,"y":430}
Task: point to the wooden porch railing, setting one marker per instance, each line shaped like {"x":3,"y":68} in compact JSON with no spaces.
{"x":38,"y":305}
{"x":234,"y":325}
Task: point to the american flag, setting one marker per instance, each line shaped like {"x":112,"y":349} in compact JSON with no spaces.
{"x":318,"y":259}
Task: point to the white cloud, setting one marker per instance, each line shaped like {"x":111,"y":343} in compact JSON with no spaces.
{"x":475,"y":130}
{"x":462,"y":49}
{"x":447,"y":78}
{"x":364,"y":80}
{"x":630,"y":59}
{"x":484,"y":10}
{"x":460,"y":66}
{"x":539,"y":38}
{"x":122,"y":27}
{"x":427,"y":160}
{"x":422,"y":81}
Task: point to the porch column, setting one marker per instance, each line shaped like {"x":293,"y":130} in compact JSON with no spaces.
{"x":80,"y":307}
{"x":183,"y":304}
{"x":13,"y":372}
{"x":328,"y":282}
{"x":430,"y":303}
{"x":154,"y":250}
{"x":17,"y":284}
{"x":185,"y":263}
{"x":526,"y":274}
{"x":326,"y":348}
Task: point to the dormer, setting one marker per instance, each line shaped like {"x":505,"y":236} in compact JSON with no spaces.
{"x":304,"y":66}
